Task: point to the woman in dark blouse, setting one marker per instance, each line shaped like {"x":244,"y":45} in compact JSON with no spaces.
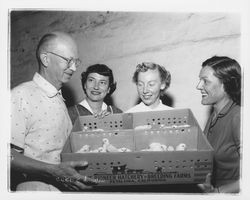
{"x":98,"y":83}
{"x":220,"y":86}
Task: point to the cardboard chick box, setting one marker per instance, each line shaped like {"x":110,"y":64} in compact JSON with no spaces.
{"x":160,"y":147}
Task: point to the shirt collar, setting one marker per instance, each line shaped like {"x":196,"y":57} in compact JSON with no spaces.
{"x":47,"y":87}
{"x":226,"y":108}
{"x":149,"y":108}
{"x":85,"y":104}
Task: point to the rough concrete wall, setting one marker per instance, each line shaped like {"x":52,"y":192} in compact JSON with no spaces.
{"x":178,"y":41}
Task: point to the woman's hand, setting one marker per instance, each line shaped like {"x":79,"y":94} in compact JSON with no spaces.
{"x":207,"y":187}
{"x":102,"y":114}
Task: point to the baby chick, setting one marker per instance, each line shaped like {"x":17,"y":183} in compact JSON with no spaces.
{"x":170,"y":148}
{"x":108,"y":147}
{"x":143,"y":127}
{"x":157,"y":147}
{"x":84,"y":149}
{"x":181,"y":147}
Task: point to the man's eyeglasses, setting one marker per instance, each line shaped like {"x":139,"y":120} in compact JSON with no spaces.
{"x":70,"y":61}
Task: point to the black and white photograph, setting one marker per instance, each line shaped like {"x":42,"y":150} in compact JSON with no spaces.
{"x":123,"y":102}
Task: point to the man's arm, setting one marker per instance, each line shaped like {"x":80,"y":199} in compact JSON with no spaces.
{"x":64,"y":173}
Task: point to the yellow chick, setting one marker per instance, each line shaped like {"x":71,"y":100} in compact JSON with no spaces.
{"x":108,"y":147}
{"x":170,"y":148}
{"x":155,"y":146}
{"x":181,"y":147}
{"x":84,"y":149}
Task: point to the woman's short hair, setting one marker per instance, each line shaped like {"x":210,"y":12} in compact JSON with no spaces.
{"x":228,"y":71}
{"x":103,"y":70}
{"x":145,"y":66}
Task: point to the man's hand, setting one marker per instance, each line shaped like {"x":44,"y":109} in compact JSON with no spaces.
{"x":65,"y":174}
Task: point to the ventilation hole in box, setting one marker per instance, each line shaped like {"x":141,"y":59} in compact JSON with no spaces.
{"x":159,"y":123}
{"x":111,"y":163}
{"x":177,"y":166}
{"x":116,"y":126}
{"x":191,"y":160}
{"x":170,"y":161}
{"x":111,"y":126}
{"x":182,"y":130}
{"x":97,"y":164}
{"x":98,"y":168}
{"x":198,"y":160}
{"x":115,"y":133}
{"x":153,"y":119}
{"x":163,"y":161}
{"x":94,"y":123}
{"x":118,"y":163}
{"x":110,"y":122}
{"x":104,"y":163}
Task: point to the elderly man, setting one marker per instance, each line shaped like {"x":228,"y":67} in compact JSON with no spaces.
{"x":40,"y":123}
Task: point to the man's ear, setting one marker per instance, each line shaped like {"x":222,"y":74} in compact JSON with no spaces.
{"x":44,"y":59}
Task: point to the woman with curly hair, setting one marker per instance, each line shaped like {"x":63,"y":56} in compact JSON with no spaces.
{"x":97,"y":83}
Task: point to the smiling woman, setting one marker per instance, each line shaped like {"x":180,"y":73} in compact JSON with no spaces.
{"x":151,"y":80}
{"x":97,"y":83}
{"x":220,"y":86}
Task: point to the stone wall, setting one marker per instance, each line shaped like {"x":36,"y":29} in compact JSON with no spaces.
{"x":121,"y":40}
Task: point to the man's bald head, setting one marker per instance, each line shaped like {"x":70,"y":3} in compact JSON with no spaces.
{"x":52,"y":40}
